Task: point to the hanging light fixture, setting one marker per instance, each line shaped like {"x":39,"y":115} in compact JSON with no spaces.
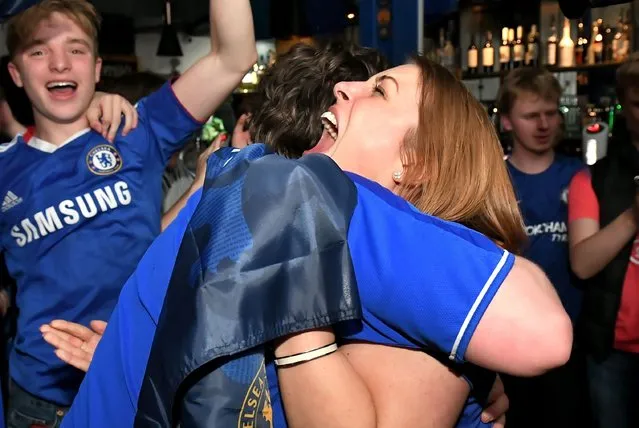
{"x":352,"y":13}
{"x":169,"y":43}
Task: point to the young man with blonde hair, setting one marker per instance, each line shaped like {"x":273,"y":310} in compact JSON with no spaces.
{"x":529,"y":106}
{"x":604,"y":253}
{"x":80,"y":208}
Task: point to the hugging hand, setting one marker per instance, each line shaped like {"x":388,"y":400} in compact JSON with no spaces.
{"x":74,"y":343}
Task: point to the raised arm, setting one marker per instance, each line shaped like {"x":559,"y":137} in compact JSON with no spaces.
{"x":204,"y":86}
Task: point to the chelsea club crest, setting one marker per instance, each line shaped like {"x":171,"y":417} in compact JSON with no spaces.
{"x":256,"y":411}
{"x":104,"y":160}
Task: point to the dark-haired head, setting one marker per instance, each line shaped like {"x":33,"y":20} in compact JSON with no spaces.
{"x":294,"y":93}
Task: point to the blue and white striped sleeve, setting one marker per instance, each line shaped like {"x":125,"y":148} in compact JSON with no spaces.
{"x":479,"y":306}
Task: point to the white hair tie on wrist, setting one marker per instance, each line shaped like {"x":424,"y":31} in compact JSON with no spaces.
{"x":306,"y":356}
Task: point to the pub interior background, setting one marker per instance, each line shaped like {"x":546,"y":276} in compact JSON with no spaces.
{"x":479,"y":40}
{"x":446,"y":30}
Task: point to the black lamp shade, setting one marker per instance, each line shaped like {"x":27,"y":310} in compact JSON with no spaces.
{"x":169,"y":43}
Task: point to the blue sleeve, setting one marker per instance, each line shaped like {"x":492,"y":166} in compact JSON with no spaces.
{"x":166,"y":121}
{"x":151,"y":289}
{"x":108,"y":394}
{"x":422,"y":278}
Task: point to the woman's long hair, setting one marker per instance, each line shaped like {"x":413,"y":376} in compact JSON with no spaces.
{"x":454,"y":164}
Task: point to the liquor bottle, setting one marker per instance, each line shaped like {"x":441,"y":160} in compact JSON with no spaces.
{"x":552,"y":44}
{"x":472,"y":56}
{"x":628,"y":29}
{"x":620,"y":41}
{"x":518,"y":48}
{"x":597,"y":41}
{"x":566,"y":47}
{"x":453,"y":50}
{"x":628,"y":35}
{"x":488,"y":54}
{"x":449,"y":53}
{"x":532,"y":53}
{"x":608,"y":42}
{"x":616,"y":40}
{"x":442,"y":44}
{"x":504,"y":50}
{"x":581,"y":50}
{"x":511,"y":43}
{"x":590,"y":51}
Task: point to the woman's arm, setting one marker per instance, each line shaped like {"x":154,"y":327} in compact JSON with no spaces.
{"x":525,"y":330}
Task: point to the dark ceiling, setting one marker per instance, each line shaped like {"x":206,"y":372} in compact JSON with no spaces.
{"x":149,"y":13}
{"x":192,"y":15}
{"x":149,"y":9}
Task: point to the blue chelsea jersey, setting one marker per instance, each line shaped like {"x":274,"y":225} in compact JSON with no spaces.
{"x":424,"y":284}
{"x":74,"y":222}
{"x":543,"y":200}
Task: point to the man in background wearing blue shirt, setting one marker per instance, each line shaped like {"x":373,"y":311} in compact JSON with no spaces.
{"x":529,"y":106}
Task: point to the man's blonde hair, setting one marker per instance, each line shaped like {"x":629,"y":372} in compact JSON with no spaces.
{"x":628,"y":75}
{"x":20,"y":28}
{"x":535,"y":81}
